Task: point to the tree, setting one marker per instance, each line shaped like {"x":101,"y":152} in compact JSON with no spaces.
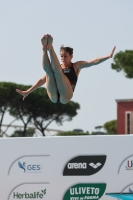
{"x":18,"y":108}
{"x":98,"y":127}
{"x":98,"y":133}
{"x":19,"y":133}
{"x":36,"y":109}
{"x":111,"y":126}
{"x":123,"y":61}
{"x":72,"y":133}
{"x":44,"y":112}
{"x":6,"y":96}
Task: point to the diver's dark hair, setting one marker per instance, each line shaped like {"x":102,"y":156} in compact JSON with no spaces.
{"x":67,"y":49}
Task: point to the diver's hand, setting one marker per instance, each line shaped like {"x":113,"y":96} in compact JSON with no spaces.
{"x":23,"y":93}
{"x":112,"y":52}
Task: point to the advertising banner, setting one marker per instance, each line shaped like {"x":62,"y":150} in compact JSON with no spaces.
{"x":67,"y":168}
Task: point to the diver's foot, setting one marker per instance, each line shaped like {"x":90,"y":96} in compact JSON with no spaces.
{"x":44,"y":41}
{"x":50,"y":43}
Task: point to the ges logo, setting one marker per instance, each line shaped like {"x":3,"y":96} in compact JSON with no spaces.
{"x":30,"y":168}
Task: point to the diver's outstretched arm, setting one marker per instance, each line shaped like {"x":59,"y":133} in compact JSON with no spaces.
{"x":96,"y":61}
{"x":38,"y":84}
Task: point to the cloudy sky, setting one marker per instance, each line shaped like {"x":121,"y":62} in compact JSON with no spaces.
{"x":91,"y":27}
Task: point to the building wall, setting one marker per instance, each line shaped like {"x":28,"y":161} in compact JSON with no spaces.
{"x":122,"y":108}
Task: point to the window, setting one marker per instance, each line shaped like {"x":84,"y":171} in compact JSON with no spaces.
{"x":129,"y":122}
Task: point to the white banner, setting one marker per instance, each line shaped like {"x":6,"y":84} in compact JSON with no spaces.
{"x":67,"y":168}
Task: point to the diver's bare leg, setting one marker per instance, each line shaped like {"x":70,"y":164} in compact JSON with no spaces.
{"x":50,"y":79}
{"x":63,"y":84}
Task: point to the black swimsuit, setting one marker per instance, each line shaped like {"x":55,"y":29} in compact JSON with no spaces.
{"x":72,"y":77}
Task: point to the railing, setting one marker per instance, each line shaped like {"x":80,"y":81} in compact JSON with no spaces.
{"x":48,"y":130}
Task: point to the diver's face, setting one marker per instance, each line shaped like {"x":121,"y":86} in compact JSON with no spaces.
{"x":65,"y":57}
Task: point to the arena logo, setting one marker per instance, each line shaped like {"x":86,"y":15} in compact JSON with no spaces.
{"x":84,"y":165}
{"x":25,"y":195}
{"x":85,"y":191}
{"x":32,"y":168}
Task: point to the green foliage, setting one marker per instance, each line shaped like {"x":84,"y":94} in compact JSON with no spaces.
{"x":98,"y":127}
{"x":6,"y":96}
{"x":36,"y":108}
{"x":123,"y":61}
{"x":19,"y":133}
{"x":111,"y":127}
{"x":98,"y":133}
{"x":71,"y":133}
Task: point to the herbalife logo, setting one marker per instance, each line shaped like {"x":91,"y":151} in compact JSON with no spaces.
{"x":129,"y":165}
{"x":85,"y":191}
{"x":32,"y":168}
{"x":84,"y":165}
{"x":34,"y":195}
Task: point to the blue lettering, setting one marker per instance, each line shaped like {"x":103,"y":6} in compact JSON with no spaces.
{"x":33,"y":167}
{"x":38,"y":167}
{"x":29,"y":167}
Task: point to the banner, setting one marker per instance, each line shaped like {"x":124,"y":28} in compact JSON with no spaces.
{"x":67,"y":168}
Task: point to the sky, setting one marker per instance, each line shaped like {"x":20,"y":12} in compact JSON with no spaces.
{"x":92,"y":28}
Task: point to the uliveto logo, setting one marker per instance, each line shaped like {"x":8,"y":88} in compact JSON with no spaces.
{"x":85,"y":191}
{"x":34,"y":195}
{"x":30,"y":168}
{"x":84,"y":165}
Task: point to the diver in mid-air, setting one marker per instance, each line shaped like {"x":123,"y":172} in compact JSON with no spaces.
{"x":60,"y":79}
